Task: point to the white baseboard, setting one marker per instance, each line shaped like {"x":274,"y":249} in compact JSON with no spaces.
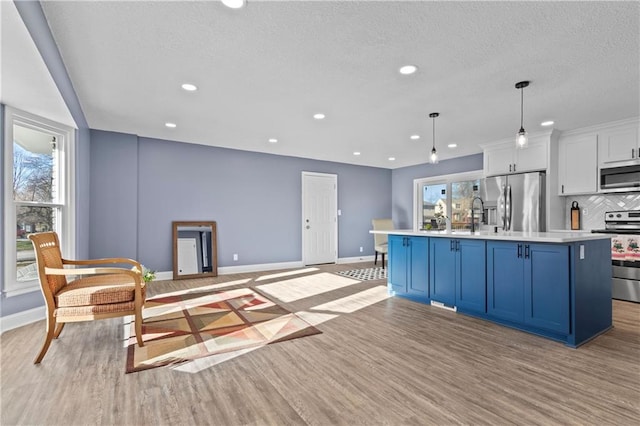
{"x":19,"y":319}
{"x":225,"y":270}
{"x":165,"y":275}
{"x":355,"y":259}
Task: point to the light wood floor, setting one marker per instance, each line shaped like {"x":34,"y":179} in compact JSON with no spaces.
{"x":389,"y":362}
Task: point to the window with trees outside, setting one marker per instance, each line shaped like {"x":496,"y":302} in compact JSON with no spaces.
{"x":38,"y":193}
{"x":444,"y":202}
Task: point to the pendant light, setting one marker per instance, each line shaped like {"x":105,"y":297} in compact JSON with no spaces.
{"x":434,"y":154}
{"x":521,"y":138}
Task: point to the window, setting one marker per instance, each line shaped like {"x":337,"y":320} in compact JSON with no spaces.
{"x":434,"y":206}
{"x":38,"y":193}
{"x":444,"y":202}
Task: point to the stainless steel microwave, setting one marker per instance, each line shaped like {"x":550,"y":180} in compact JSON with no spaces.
{"x":620,"y":179}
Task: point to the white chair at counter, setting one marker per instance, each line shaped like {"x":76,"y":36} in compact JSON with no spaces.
{"x":380,"y":240}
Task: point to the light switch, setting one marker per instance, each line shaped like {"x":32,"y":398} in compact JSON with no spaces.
{"x":581,"y":251}
{"x":339,"y":212}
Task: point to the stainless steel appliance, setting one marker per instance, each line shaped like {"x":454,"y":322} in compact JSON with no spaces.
{"x":620,"y":179}
{"x":624,"y":227}
{"x":515,"y":202}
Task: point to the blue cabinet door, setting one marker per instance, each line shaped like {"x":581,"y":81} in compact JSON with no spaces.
{"x":442,"y":267}
{"x":418,"y":283}
{"x":505,"y":280}
{"x":546,"y":296}
{"x":471,"y":282}
{"x":397,"y":263}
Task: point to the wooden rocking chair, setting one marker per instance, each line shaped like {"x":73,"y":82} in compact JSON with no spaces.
{"x":105,"y":292}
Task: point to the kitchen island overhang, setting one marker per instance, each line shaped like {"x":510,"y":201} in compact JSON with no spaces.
{"x":553,"y":284}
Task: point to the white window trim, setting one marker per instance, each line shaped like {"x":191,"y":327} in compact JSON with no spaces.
{"x":438,"y":180}
{"x":66,"y":140}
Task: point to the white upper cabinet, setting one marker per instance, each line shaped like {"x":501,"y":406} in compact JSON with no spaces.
{"x":578,"y":164}
{"x":534,"y":157}
{"x":498,"y":161}
{"x":504,"y":158}
{"x":619,"y":144}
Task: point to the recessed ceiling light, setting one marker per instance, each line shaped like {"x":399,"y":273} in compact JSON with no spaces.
{"x":234,"y":4}
{"x":415,"y":137}
{"x":273,"y":140}
{"x":392,"y":158}
{"x":356,"y":153}
{"x":408,"y":69}
{"x":547,"y":123}
{"x":189,"y":87}
{"x":452,"y":145}
{"x":170,"y":125}
{"x":318,"y":116}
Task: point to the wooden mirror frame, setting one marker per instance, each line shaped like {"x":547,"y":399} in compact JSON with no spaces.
{"x":214,"y":250}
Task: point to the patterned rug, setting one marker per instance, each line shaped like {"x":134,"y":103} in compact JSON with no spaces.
{"x":365,"y":274}
{"x":184,"y":326}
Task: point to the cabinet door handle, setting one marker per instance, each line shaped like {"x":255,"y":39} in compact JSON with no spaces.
{"x":519,"y":250}
{"x":563,"y":189}
{"x":510,"y":167}
{"x":527,"y":254}
{"x":514,"y":167}
{"x":457,"y":245}
{"x":451,"y":245}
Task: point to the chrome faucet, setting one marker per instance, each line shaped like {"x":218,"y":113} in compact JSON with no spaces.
{"x":473,"y":219}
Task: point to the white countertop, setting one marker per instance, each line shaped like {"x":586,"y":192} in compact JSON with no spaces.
{"x":540,"y":237}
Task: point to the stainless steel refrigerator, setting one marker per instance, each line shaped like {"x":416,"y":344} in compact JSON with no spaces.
{"x":515,"y":202}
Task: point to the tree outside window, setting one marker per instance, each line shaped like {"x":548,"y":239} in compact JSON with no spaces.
{"x":34,"y":191}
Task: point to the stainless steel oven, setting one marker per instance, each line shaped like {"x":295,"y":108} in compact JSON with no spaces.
{"x":624,"y":227}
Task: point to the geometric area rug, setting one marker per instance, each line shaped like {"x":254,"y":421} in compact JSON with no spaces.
{"x":365,"y":274}
{"x":186,"y":325}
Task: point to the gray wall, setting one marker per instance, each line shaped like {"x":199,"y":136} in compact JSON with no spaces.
{"x":255,"y":198}
{"x":113,"y":204}
{"x":402,"y":183}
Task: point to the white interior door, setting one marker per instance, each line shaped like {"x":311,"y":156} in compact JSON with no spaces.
{"x":319,"y":218}
{"x":187,"y":256}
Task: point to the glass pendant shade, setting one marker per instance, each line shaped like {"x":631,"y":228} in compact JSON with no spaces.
{"x":433,"y":158}
{"x":522,"y":141}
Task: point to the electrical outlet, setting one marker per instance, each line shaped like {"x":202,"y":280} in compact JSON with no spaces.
{"x":584,"y":211}
{"x":235,"y":256}
{"x":360,"y":249}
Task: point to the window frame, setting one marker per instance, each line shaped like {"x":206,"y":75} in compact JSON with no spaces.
{"x":438,"y":180}
{"x":65,"y":139}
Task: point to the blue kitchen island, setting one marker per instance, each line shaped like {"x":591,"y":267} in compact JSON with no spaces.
{"x":553,"y":284}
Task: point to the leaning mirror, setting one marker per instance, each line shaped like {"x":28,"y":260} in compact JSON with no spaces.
{"x":194,"y":250}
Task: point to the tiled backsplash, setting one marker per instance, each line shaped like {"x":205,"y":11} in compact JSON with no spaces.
{"x":597,"y":205}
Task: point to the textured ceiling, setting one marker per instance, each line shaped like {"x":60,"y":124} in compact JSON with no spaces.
{"x":264,"y":70}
